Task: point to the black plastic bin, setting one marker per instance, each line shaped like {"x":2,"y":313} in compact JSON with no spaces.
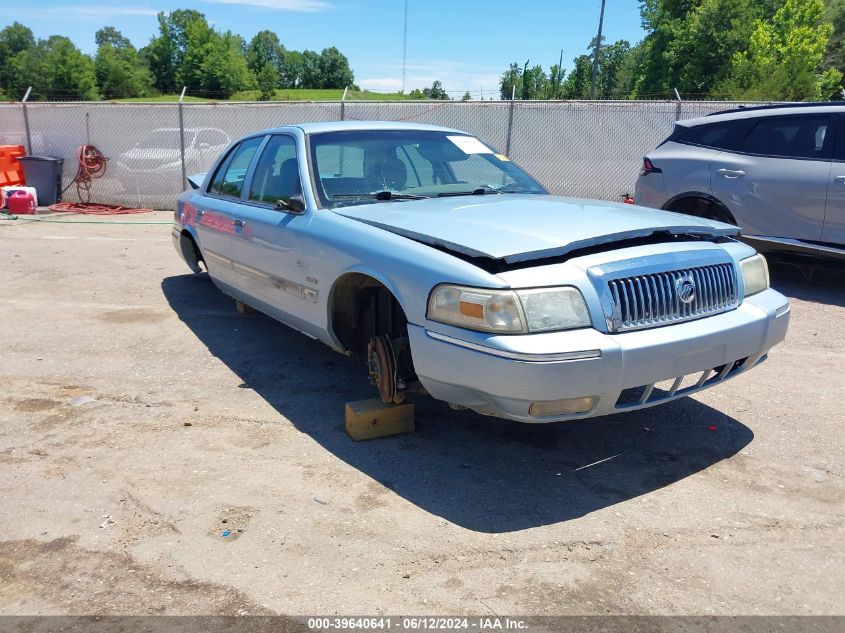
{"x":45,"y":174}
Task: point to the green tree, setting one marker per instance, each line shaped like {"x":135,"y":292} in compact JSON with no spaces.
{"x":119,"y":70}
{"x":268,"y":81}
{"x":15,"y":39}
{"x":334,"y":70}
{"x":556,"y":75}
{"x":57,"y":70}
{"x":690,"y":44}
{"x":628,"y":73}
{"x":784,"y":57}
{"x":534,"y":82}
{"x":835,"y":54}
{"x":613,"y":58}
{"x":436,"y":92}
{"x":510,"y":84}
{"x":577,"y":83}
{"x":467,"y":97}
{"x":165,"y":54}
{"x":293,"y":65}
{"x":265,"y":48}
{"x":310,"y":70}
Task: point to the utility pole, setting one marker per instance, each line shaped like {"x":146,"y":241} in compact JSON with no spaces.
{"x":404,"y":46}
{"x":559,"y":75}
{"x":596,"y":53}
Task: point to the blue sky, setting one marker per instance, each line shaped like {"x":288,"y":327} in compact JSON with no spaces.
{"x":466,"y":44}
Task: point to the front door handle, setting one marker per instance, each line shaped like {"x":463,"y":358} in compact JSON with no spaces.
{"x":239,"y":223}
{"x":730,"y":173}
{"x":840,"y":180}
{"x":200,"y":213}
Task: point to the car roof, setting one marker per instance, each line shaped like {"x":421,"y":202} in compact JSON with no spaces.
{"x":336,"y":126}
{"x":767,"y":110}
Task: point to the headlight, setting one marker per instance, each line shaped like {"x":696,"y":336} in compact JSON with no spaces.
{"x":549,"y":309}
{"x":509,"y":311}
{"x":755,"y":274}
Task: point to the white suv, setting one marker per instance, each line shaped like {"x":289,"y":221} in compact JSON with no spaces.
{"x":778,"y":172}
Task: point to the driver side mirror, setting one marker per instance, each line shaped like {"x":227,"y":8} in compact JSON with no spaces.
{"x":294,"y":205}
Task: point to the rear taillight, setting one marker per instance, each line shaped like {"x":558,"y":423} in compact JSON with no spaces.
{"x":648,"y":166}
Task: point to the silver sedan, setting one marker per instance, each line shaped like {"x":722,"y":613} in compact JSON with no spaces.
{"x":433,"y":257}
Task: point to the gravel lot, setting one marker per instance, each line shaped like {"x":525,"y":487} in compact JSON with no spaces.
{"x":142,"y":417}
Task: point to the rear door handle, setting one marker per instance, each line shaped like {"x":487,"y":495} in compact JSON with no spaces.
{"x":840,"y":180}
{"x":730,"y":173}
{"x":239,"y":223}
{"x":200,"y":213}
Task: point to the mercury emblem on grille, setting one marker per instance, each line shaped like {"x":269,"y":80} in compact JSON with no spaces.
{"x":685,"y":287}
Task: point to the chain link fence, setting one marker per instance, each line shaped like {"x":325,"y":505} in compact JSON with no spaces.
{"x":589,"y":149}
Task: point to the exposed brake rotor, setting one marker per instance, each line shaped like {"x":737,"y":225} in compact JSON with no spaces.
{"x":382,"y":365}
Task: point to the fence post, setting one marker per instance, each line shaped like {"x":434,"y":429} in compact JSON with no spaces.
{"x":343,"y":106}
{"x":510,"y":124}
{"x":26,"y":122}
{"x":678,"y":106}
{"x":182,"y":136}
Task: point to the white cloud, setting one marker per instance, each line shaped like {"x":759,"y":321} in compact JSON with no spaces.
{"x":91,"y":10}
{"x":456,"y":77}
{"x":82,"y":11}
{"x":304,"y":6}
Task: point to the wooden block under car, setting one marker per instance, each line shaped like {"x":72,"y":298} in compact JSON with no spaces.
{"x":244,"y":308}
{"x":369,"y":419}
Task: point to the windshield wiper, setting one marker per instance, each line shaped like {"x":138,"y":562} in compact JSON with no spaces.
{"x":380,"y":195}
{"x":481,"y":191}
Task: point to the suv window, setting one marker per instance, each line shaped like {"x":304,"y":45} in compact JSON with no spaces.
{"x":791,"y":137}
{"x":229,"y":178}
{"x":718,"y":136}
{"x":277,"y":172}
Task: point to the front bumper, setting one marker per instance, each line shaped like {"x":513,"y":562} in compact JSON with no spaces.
{"x":504,"y":375}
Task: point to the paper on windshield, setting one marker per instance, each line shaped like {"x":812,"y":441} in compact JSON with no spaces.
{"x":470,"y":145}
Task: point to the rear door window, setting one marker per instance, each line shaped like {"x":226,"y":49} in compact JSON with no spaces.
{"x":707,"y":135}
{"x":791,"y":137}
{"x":229,"y":178}
{"x":724,"y":136}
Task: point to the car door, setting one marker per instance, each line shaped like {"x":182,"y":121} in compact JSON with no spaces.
{"x":267,"y":250}
{"x":215,"y":209}
{"x":776,"y":185}
{"x":833,"y":231}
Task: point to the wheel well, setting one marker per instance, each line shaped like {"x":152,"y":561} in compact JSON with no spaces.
{"x":362,"y":308}
{"x":190,"y":251}
{"x":701,"y":206}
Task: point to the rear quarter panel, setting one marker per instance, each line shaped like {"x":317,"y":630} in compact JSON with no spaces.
{"x":686,"y":168}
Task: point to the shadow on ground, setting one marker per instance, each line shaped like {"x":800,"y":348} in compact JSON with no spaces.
{"x":481,"y":473}
{"x":808,"y":279}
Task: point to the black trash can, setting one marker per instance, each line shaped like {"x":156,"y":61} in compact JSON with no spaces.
{"x":45,"y":174}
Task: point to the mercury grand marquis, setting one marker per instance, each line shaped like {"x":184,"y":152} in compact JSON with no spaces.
{"x":451,"y":272}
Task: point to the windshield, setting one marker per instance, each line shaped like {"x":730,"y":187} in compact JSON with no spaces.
{"x":162,"y":139}
{"x":355,"y":166}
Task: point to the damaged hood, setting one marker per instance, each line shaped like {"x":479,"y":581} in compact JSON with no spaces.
{"x":518,"y":228}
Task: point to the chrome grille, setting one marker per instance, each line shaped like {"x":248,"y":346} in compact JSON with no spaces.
{"x":652,"y":300}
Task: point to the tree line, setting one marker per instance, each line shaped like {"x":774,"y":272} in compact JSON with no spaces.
{"x":187,"y":52}
{"x":781,"y":50}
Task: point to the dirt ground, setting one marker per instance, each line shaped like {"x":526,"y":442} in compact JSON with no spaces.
{"x":162,"y":454}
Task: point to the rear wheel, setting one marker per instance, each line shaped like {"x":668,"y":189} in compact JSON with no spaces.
{"x":190,"y":252}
